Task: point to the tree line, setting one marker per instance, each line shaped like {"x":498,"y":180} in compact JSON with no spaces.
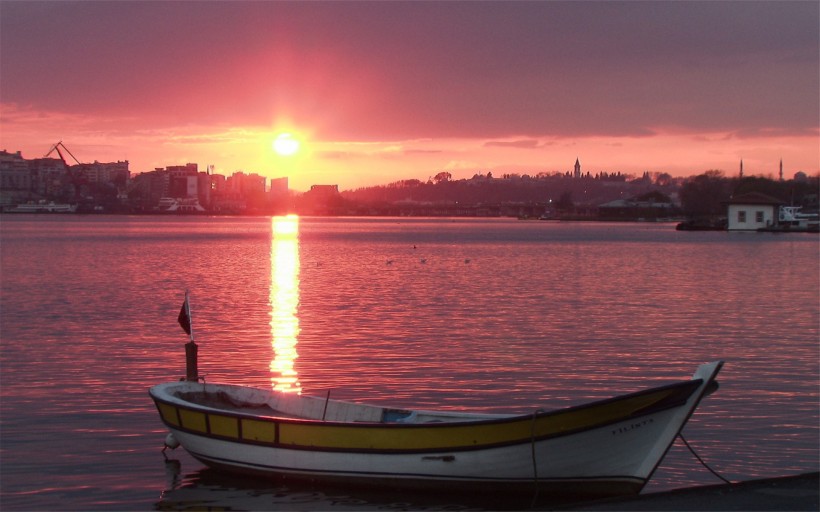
{"x":704,"y":195}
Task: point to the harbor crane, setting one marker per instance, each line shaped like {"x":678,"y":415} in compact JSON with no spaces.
{"x":56,"y":147}
{"x":75,"y":178}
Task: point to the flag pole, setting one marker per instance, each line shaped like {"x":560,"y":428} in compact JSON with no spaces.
{"x":190,"y":318}
{"x":191,"y":349}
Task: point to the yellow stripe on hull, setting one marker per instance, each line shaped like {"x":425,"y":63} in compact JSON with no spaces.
{"x":193,"y":420}
{"x":259,"y":431}
{"x":400,"y":437}
{"x":391,"y":437}
{"x":600,"y":414}
{"x":168,"y":413}
{"x":224,"y":426}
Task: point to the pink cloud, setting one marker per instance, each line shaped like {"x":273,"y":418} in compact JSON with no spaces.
{"x":522,"y":144}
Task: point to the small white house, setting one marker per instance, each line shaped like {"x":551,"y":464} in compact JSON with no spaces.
{"x":752,"y":211}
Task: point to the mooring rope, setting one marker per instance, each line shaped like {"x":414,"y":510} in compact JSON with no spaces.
{"x":701,"y":460}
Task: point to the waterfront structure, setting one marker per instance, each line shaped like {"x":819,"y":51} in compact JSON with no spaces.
{"x":752,"y":211}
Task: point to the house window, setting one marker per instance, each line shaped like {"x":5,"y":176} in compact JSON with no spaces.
{"x":759,"y":217}
{"x":741,"y":216}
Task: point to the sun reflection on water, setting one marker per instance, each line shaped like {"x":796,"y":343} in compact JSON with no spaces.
{"x":284,"y":301}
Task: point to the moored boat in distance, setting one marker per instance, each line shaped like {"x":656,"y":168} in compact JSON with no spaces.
{"x":43,"y":207}
{"x":605,"y":448}
{"x":791,"y":219}
{"x":180,"y":205}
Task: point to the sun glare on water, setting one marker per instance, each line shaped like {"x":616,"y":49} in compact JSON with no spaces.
{"x":284,"y":301}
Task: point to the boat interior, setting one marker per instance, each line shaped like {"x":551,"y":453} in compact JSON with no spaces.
{"x":260,"y":402}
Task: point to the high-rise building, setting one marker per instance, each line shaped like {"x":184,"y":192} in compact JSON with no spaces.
{"x":278,"y":187}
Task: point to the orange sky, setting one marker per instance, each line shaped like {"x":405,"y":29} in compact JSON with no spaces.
{"x":379,"y":92}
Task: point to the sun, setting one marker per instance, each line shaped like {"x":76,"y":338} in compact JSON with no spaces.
{"x":285,"y":144}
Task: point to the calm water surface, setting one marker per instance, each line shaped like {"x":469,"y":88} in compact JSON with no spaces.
{"x":487,"y":315}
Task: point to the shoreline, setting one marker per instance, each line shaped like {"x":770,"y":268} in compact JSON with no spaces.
{"x":797,"y":492}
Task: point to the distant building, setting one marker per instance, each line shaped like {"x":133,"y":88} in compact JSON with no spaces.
{"x":14,"y":172}
{"x":321,"y":199}
{"x":246,"y":184}
{"x":204,"y":187}
{"x":278,"y":187}
{"x":577,"y":168}
{"x":148,"y":188}
{"x":752,"y":211}
{"x":48,"y":175}
{"x":219,"y":183}
{"x":98,"y":172}
{"x":15,"y":179}
{"x":182,"y":180}
{"x":324,"y":190}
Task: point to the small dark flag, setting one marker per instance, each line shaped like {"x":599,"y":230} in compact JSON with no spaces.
{"x":183,"y":318}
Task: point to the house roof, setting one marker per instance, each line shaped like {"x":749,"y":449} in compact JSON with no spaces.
{"x":754,"y":198}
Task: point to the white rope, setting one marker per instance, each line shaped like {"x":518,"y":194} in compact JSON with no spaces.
{"x":701,"y":460}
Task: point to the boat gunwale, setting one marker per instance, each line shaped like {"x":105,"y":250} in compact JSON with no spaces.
{"x":682,"y":396}
{"x":480,"y":418}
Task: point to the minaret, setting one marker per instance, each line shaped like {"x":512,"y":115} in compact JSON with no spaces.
{"x":741,"y":167}
{"x":577,"y":168}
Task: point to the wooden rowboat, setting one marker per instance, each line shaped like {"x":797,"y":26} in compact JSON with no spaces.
{"x":604,"y":448}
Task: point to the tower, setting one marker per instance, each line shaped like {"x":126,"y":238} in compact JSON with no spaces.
{"x":741,"y":167}
{"x":577,"y":168}
{"x":781,"y":169}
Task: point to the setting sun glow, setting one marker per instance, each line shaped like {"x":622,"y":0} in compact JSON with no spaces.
{"x":368,"y":103}
{"x":285,"y":144}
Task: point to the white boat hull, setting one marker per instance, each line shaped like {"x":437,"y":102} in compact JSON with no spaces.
{"x":587,"y":449}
